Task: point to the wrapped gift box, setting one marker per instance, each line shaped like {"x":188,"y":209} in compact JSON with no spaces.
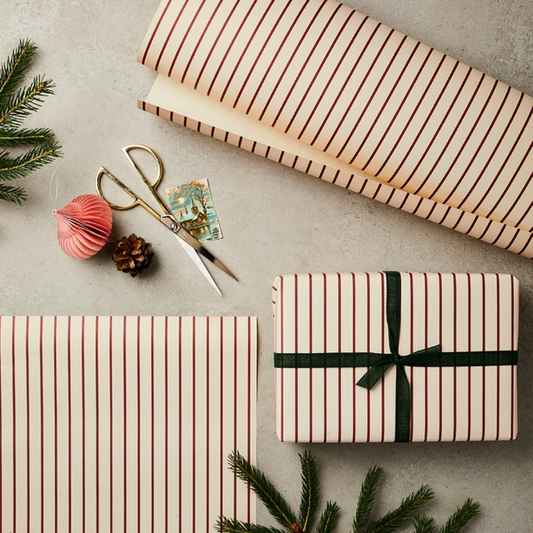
{"x":388,"y":356}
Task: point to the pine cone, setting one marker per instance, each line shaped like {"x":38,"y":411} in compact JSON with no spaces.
{"x":133,"y":255}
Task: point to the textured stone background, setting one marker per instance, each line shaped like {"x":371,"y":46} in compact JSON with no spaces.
{"x":275,"y":220}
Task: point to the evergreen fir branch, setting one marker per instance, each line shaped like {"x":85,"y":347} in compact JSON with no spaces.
{"x":12,"y":194}
{"x":329,"y":518}
{"x":310,"y":491}
{"x":424,"y":524}
{"x":459,"y":519}
{"x":22,"y":137}
{"x":264,"y":489}
{"x":18,"y":167}
{"x":12,"y":72}
{"x":327,"y":522}
{"x":25,"y":101}
{"x":366,"y":498}
{"x":407,"y":509}
{"x":14,"y":107}
{"x":229,"y":525}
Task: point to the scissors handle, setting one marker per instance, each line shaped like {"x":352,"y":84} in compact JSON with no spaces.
{"x":136,"y":199}
{"x":151,"y":186}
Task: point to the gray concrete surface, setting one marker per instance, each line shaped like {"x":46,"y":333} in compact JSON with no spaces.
{"x":275,"y":220}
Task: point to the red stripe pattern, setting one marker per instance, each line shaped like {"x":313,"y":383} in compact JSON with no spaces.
{"x":407,"y":115}
{"x":124,"y":423}
{"x":346,"y":312}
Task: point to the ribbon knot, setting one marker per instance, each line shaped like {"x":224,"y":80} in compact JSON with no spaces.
{"x":375,"y":373}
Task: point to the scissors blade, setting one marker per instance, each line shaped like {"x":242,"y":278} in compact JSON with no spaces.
{"x":192,"y":253}
{"x":191,"y":241}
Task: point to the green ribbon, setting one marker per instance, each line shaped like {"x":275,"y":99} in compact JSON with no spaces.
{"x":379,"y":363}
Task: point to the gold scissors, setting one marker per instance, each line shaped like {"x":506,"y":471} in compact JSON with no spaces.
{"x":193,"y":248}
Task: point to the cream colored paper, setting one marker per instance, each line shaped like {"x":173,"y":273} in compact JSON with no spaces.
{"x":125,"y":423}
{"x":347,"y":99}
{"x":345,"y":312}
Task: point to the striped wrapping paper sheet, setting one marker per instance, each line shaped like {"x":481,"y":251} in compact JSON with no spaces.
{"x":325,"y":89}
{"x":345,"y":312}
{"x":124,"y":423}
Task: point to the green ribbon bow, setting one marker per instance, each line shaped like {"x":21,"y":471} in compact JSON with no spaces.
{"x":379,"y":363}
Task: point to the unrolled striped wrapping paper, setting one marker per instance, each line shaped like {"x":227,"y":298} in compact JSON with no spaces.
{"x":124,"y":423}
{"x":324,"y":89}
{"x":345,"y":312}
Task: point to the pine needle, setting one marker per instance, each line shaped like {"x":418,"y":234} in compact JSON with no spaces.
{"x":310,"y":491}
{"x":366,"y":498}
{"x":424,"y":524}
{"x":22,"y":137}
{"x":12,"y":194}
{"x":18,"y":167}
{"x":25,"y":101}
{"x":264,"y":489}
{"x":12,"y":71}
{"x":229,"y":525}
{"x":459,"y":519}
{"x":329,"y":518}
{"x":407,"y":509}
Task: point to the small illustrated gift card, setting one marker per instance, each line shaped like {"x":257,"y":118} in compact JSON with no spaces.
{"x":192,"y":204}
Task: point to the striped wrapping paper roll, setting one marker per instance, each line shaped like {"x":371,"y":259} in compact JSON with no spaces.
{"x":124,"y":423}
{"x":346,"y":312}
{"x":322,"y":88}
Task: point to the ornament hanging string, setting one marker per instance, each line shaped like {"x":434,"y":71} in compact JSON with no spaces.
{"x":55,"y":179}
